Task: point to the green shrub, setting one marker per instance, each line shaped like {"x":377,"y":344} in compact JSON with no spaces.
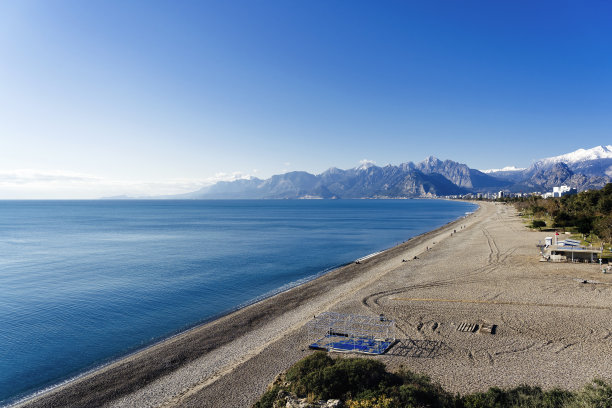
{"x":365,"y":383}
{"x":312,"y":363}
{"x":320,"y":377}
{"x":523,"y":396}
{"x":418,"y":390}
{"x":598,"y":394}
{"x":267,"y":400}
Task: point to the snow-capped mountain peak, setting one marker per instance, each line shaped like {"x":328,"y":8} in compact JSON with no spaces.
{"x":507,"y":168}
{"x":366,"y":164}
{"x":581,"y":155}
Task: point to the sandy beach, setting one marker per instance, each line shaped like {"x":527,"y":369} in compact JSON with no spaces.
{"x":551,"y":329}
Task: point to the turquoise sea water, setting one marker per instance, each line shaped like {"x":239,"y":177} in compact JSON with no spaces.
{"x":85,"y":282}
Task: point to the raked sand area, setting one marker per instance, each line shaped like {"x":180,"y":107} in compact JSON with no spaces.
{"x":552,"y":330}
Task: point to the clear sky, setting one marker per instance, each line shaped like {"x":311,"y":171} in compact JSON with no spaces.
{"x":103,"y":98}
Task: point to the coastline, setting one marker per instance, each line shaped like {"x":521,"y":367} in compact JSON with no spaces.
{"x":129,"y":374}
{"x":551,"y":330}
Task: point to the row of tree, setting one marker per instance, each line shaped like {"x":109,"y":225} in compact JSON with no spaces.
{"x":587,"y":212}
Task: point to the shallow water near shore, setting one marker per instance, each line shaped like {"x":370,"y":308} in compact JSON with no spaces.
{"x":85,"y":282}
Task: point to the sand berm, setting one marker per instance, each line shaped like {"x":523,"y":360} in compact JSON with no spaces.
{"x":552,"y":329}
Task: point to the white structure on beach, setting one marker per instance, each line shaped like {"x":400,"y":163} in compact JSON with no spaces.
{"x":567,"y":250}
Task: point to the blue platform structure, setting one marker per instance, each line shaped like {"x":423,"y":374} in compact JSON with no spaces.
{"x":352,"y":333}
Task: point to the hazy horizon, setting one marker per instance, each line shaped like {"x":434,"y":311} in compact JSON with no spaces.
{"x":105,"y":98}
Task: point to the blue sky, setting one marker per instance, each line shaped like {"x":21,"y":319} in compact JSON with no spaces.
{"x":154,"y":97}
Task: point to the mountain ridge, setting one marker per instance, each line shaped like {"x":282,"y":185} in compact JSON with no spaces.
{"x":432,"y":177}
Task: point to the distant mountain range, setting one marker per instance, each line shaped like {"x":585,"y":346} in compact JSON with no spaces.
{"x":582,"y":169}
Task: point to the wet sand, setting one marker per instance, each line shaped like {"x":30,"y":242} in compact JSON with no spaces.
{"x":551,"y":329}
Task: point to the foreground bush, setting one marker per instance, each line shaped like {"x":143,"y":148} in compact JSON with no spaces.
{"x":521,"y":396}
{"x":360,"y":383}
{"x":322,"y":378}
{"x":365,"y":383}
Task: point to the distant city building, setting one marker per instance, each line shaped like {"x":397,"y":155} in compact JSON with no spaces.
{"x":500,"y":194}
{"x":560,"y":192}
{"x":563,"y":190}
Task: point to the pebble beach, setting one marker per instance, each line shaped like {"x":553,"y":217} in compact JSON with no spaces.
{"x":550,"y":328}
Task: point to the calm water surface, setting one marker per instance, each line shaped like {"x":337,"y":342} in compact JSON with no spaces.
{"x":85,"y":282}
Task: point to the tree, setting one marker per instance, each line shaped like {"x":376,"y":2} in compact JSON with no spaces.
{"x":584,"y":225}
{"x":538,"y":224}
{"x":552,"y":206}
{"x":603,"y":228}
{"x":605,"y":205}
{"x":538,"y":210}
{"x":562,"y":220}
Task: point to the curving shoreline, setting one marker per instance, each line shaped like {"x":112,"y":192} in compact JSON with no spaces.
{"x":129,"y":375}
{"x":552,"y":328}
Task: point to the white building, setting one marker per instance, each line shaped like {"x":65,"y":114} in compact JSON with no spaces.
{"x":563,"y":190}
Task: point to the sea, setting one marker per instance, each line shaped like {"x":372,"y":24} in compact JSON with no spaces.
{"x":83,"y":283}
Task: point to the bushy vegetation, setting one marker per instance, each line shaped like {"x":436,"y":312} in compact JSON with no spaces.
{"x":321,"y":377}
{"x":588,"y":212}
{"x":598,"y":394}
{"x":357,"y":381}
{"x":365,"y":383}
{"x":539,"y":224}
{"x":522,"y":396}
